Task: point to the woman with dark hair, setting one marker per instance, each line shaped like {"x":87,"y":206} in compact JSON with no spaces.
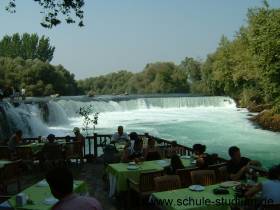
{"x":134,"y":148}
{"x":175,"y":164}
{"x":199,"y":150}
{"x":203,"y":160}
{"x":151,"y":152}
{"x":270,"y":188}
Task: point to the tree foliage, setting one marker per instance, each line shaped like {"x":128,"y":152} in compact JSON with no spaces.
{"x":247,"y":67}
{"x":37,"y":77}
{"x":27,"y":46}
{"x":53,"y":10}
{"x":155,"y":78}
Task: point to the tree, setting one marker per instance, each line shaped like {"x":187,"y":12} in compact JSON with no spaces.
{"x":53,"y":10}
{"x":27,"y":46}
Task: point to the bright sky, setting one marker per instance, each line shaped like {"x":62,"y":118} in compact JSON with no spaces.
{"x":128,"y":34}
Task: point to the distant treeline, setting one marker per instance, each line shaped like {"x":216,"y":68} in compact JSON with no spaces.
{"x":246,"y":68}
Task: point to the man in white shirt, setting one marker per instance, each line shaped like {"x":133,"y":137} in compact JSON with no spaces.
{"x":120,"y":135}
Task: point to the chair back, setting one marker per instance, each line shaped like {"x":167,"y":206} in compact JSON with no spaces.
{"x":147,"y":182}
{"x":73,"y":149}
{"x":271,"y":207}
{"x":12,"y":170}
{"x":221,"y":171}
{"x":185,"y":176}
{"x":153,"y":156}
{"x":24,"y":153}
{"x":222,"y":174}
{"x":203,"y":177}
{"x":4,"y":152}
{"x":167,"y":182}
{"x":11,"y":173}
{"x":53,"y":152}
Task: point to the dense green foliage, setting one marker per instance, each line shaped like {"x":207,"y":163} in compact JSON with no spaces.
{"x":37,"y":77}
{"x":246,"y":68}
{"x":155,"y":78}
{"x":54,"y":10}
{"x":27,"y":46}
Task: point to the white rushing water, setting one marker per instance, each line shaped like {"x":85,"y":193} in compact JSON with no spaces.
{"x":213,"y":121}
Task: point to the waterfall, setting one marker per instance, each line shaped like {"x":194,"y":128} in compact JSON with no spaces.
{"x":33,"y":119}
{"x":70,"y":107}
{"x":23,"y":117}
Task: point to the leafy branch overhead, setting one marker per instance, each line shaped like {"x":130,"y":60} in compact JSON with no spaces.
{"x":53,"y":10}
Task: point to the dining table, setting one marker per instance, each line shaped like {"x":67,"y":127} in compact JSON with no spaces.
{"x":119,"y":173}
{"x":40,"y":197}
{"x":201,"y":199}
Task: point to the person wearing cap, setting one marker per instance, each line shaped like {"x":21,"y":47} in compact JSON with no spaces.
{"x":120,"y":135}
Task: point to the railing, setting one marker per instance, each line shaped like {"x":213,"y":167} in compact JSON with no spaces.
{"x":93,"y":143}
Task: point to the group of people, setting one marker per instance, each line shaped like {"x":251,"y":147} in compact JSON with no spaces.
{"x":49,"y":146}
{"x":238,"y":167}
{"x":134,"y":149}
{"x":61,"y":179}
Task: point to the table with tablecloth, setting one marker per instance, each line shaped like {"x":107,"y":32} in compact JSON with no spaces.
{"x":38,"y":193}
{"x":119,"y":172}
{"x":186,"y":199}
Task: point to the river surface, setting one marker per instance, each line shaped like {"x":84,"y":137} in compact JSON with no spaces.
{"x":213,"y":121}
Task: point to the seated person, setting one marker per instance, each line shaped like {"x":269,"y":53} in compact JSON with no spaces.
{"x":61,"y":181}
{"x":238,"y":166}
{"x":175,"y":163}
{"x":120,"y":135}
{"x":133,"y":149}
{"x":270,"y":189}
{"x":151,"y":152}
{"x":173,"y":150}
{"x":203,"y":160}
{"x":13,"y":142}
{"x":52,"y":150}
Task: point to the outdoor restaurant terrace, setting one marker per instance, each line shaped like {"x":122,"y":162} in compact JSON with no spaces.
{"x":98,"y":172}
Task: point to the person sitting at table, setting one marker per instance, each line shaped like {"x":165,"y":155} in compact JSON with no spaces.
{"x":52,"y":151}
{"x":61,"y":182}
{"x":203,"y":160}
{"x":120,"y":135}
{"x":13,"y":142}
{"x":175,"y":164}
{"x":151,"y":152}
{"x":174,"y":149}
{"x":238,"y":166}
{"x":133,"y":148}
{"x":270,"y":188}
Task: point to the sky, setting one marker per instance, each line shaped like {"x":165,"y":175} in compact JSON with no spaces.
{"x":128,"y":34}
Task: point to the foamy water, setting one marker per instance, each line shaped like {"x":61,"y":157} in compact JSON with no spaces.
{"x":213,"y":121}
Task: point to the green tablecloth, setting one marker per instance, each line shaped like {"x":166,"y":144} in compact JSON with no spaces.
{"x":218,"y":202}
{"x":38,"y":193}
{"x":3,"y":163}
{"x":120,"y":171}
{"x":185,"y":199}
